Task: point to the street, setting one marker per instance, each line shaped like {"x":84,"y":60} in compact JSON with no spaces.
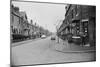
{"x":41,"y":52}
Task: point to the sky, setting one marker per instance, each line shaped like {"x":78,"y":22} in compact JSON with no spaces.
{"x":44,"y":14}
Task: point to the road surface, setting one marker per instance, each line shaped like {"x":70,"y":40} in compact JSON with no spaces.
{"x":40,"y":51}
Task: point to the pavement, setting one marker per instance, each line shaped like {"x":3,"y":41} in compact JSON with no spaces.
{"x":64,"y":46}
{"x":23,"y":42}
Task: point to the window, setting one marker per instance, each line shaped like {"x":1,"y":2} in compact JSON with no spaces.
{"x":12,"y":18}
{"x":72,"y":13}
{"x":14,"y":31}
{"x":76,"y":8}
{"x":19,"y":20}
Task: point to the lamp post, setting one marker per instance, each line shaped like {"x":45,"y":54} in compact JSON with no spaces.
{"x":57,"y":28}
{"x":56,"y":34}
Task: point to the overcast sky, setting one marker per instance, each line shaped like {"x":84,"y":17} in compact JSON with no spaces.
{"x":44,"y":14}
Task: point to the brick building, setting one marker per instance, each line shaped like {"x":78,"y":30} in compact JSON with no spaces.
{"x":79,"y":21}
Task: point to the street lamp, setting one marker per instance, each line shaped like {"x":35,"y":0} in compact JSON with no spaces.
{"x":57,"y":28}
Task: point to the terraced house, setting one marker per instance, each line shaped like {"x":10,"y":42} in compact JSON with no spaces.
{"x":79,"y":24}
{"x":16,"y":26}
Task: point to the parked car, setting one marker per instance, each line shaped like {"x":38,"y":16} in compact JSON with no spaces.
{"x":43,"y":36}
{"x":53,"y":38}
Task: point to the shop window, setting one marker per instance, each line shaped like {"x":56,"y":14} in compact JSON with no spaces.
{"x":85,"y":27}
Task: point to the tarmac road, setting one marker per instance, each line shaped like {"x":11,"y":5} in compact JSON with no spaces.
{"x":41,"y":52}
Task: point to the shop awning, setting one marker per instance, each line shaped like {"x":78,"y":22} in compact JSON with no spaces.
{"x":84,"y":20}
{"x":75,"y":20}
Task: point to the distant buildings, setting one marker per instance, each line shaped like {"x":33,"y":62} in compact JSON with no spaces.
{"x":79,"y":21}
{"x":21,"y":28}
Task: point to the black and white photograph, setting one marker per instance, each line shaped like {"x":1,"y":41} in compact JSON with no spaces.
{"x":43,"y":33}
